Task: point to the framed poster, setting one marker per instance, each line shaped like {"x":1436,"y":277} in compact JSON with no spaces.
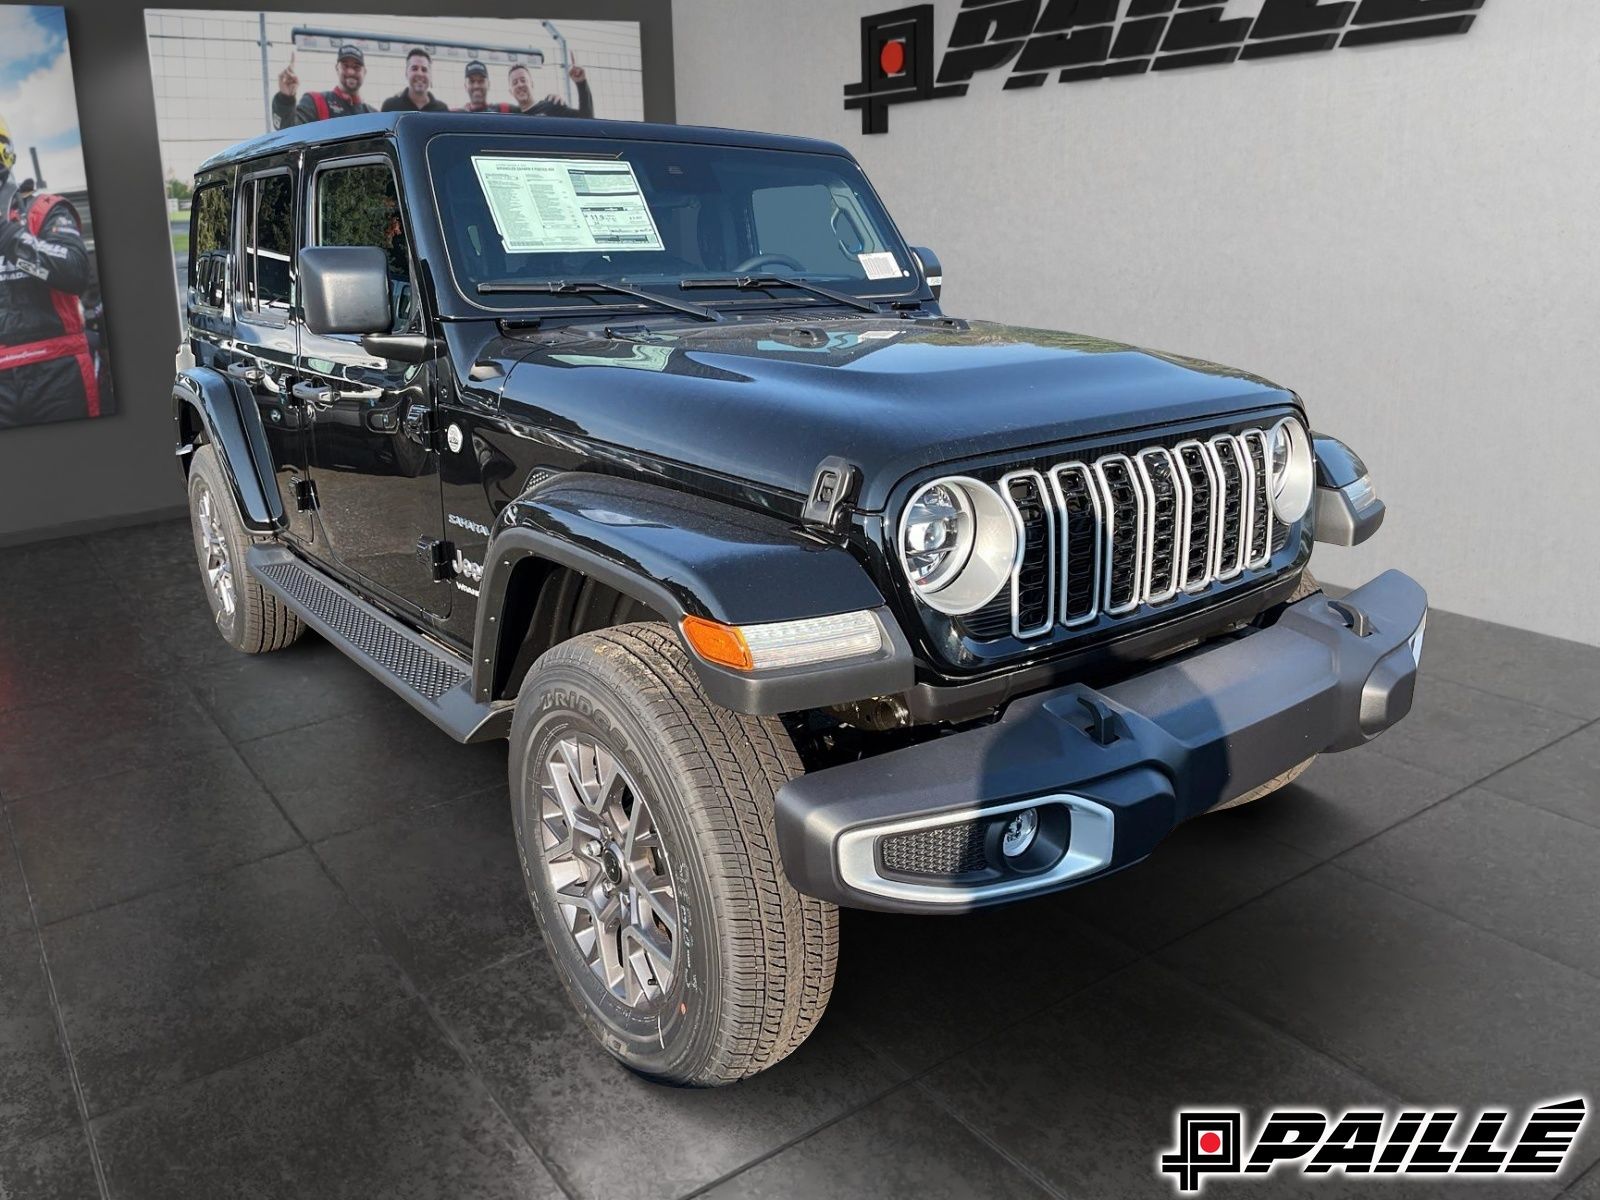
{"x":52,"y":322}
{"x":224,"y":77}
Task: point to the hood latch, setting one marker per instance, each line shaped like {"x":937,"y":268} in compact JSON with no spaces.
{"x":833,"y":491}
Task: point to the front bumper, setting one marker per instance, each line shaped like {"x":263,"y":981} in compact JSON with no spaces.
{"x":1109,"y":773}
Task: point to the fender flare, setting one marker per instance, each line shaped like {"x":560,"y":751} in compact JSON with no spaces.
{"x":232,"y":424}
{"x":681,"y":555}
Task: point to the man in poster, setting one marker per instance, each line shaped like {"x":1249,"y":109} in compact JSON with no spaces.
{"x":342,"y":101}
{"x":419,"y":76}
{"x":478,"y":91}
{"x":552,"y":105}
{"x":47,"y":369}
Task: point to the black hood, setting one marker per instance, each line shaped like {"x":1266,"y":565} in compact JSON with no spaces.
{"x":765,"y":402}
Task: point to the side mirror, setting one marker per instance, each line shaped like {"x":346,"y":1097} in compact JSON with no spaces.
{"x":931,"y":270}
{"x":345,"y":289}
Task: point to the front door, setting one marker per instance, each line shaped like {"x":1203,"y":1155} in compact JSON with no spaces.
{"x":372,"y":457}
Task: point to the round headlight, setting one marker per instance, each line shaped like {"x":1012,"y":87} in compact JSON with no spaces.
{"x":1291,"y":472}
{"x":958,"y":544}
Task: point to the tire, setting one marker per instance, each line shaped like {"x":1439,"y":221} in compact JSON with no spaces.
{"x":748,"y":970}
{"x":1307,"y":585}
{"x":249,"y":618}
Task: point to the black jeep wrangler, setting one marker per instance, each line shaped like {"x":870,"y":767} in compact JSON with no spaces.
{"x":650,"y":450}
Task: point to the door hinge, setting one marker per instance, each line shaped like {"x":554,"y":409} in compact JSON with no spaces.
{"x":438,"y":556}
{"x":305,"y":494}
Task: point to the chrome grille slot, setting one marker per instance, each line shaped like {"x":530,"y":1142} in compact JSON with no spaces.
{"x":1033,"y":583}
{"x":1078,"y":502}
{"x":1255,"y":450}
{"x":1231,"y":486}
{"x":1138,"y":526}
{"x":1166,"y":523}
{"x":1124,"y":520}
{"x":1200,"y":550}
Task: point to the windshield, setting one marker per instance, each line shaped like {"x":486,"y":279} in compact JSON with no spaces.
{"x":523,"y":212}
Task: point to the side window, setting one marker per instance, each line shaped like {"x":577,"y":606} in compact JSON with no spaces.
{"x":269,"y":246}
{"x":210,"y":237}
{"x":359,"y":205}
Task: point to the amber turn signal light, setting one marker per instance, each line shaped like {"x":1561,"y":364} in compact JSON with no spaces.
{"x":718,"y":643}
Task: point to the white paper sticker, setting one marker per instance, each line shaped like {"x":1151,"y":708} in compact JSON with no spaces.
{"x":550,"y":205}
{"x":880,"y":265}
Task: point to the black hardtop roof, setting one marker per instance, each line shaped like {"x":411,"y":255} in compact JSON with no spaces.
{"x":420,"y":126}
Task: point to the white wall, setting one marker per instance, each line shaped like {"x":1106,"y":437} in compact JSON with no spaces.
{"x":1408,"y":235}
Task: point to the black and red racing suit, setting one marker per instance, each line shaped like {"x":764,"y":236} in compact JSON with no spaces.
{"x":315,"y":106}
{"x":47,"y":370}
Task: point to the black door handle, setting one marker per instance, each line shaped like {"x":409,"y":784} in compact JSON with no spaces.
{"x":418,"y":424}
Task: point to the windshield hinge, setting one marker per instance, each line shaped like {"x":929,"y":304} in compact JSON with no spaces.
{"x":833,"y":491}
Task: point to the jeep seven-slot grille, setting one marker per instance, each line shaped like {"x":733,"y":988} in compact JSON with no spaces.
{"x":1123,"y":531}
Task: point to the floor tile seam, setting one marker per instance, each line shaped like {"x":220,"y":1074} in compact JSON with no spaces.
{"x":553,"y":1169}
{"x":1026,"y":1169}
{"x":1446,"y":677}
{"x":187,"y":750}
{"x":1496,"y":790}
{"x":853,"y":1110}
{"x":430,"y":806}
{"x":1465,"y":786}
{"x":1000,"y":1030}
{"x":449,"y":981}
{"x":1584,"y":723}
{"x":271,"y":795}
{"x":161,"y":1091}
{"x":1588,"y":975}
{"x":46,"y":793}
{"x":198,"y":877}
{"x":1572,"y":1188}
{"x":64,"y":1040}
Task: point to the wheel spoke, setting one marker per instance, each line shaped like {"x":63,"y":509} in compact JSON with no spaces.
{"x":607,"y":869}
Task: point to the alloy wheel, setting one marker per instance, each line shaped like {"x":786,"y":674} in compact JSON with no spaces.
{"x":215,"y":562}
{"x":608,"y":870}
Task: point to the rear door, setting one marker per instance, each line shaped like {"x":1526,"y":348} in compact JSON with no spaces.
{"x":371,"y":447}
{"x":262,"y":353}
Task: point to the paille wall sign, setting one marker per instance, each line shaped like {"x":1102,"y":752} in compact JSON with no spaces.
{"x":1092,"y":39}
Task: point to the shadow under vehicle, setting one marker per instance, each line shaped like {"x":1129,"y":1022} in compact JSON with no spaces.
{"x":650,"y":450}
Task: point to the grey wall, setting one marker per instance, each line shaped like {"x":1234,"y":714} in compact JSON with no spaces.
{"x":1404,"y":234}
{"x":82,"y":475}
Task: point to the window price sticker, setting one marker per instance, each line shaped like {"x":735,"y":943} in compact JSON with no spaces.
{"x":553,"y":205}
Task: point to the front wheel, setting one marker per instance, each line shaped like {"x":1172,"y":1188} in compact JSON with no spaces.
{"x":644,"y":819}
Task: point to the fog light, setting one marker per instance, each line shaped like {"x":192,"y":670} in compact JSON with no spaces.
{"x":1020,"y":832}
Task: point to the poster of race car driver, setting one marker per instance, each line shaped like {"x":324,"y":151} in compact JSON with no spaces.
{"x":52,"y":347}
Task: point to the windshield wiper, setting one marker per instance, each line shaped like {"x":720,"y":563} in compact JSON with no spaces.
{"x":573,"y":287}
{"x":741,"y":282}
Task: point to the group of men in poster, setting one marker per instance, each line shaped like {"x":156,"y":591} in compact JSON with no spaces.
{"x":344,"y":99}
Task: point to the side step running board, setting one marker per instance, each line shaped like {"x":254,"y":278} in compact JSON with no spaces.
{"x":426,"y":676}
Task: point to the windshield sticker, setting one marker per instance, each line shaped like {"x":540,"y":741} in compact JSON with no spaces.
{"x":550,"y":205}
{"x":880,"y":265}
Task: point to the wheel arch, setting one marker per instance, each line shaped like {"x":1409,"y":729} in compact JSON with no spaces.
{"x":626,"y":550}
{"x":207,"y":409}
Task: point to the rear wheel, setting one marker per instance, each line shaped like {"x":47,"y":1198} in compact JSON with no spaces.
{"x":250,"y":618}
{"x":644,"y":818}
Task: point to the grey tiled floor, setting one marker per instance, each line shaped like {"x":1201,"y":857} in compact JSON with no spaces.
{"x":262,"y":934}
